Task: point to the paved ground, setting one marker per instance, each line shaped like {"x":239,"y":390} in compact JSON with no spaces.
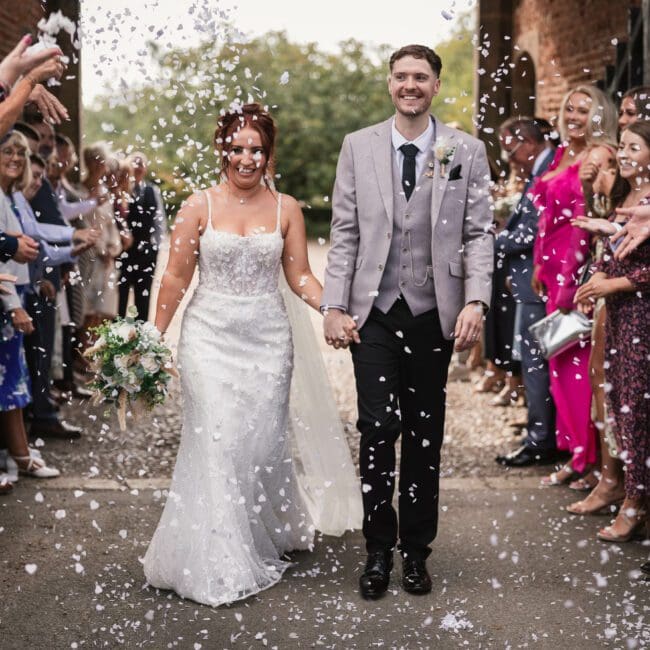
{"x":510,"y":568}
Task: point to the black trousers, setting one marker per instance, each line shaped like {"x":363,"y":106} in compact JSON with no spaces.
{"x":400,"y":368}
{"x":39,"y":346}
{"x":141,"y":279}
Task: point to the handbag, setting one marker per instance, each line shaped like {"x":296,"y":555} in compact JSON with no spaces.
{"x":557,"y":332}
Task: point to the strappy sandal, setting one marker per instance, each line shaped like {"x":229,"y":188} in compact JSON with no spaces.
{"x":35,"y":466}
{"x":554,"y":478}
{"x":637,"y":529}
{"x":583,"y":484}
{"x":600,"y":509}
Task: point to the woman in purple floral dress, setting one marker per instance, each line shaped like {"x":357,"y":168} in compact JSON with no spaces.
{"x":625,"y":285}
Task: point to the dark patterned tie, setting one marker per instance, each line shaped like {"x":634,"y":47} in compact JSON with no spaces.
{"x":408,"y":169}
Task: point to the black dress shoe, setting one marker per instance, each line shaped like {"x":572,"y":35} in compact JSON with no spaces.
{"x":526,"y":456}
{"x":54,"y":429}
{"x":374,"y":580}
{"x":415,"y":577}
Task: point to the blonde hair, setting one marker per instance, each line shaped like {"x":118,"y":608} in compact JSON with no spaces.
{"x":94,"y":152}
{"x":602,"y":121}
{"x":17,"y":139}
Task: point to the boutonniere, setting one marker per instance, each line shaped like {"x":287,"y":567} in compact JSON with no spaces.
{"x":444,"y":151}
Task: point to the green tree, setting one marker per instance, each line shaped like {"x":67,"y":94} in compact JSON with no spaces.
{"x":316,"y":98}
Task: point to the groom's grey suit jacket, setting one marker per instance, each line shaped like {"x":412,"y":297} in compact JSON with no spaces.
{"x":458,"y":244}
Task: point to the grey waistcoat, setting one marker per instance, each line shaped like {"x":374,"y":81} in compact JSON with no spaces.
{"x":409,"y":270}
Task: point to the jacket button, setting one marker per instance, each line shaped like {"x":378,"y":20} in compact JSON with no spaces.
{"x":381,"y":267}
{"x":388,"y":235}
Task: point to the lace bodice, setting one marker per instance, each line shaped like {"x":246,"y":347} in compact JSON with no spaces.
{"x":240,"y":265}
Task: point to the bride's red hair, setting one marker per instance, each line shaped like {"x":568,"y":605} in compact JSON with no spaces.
{"x":255,"y":117}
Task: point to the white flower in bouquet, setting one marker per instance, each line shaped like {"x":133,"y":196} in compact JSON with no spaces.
{"x":126,"y":331}
{"x":149,"y":362}
{"x":150,"y":331}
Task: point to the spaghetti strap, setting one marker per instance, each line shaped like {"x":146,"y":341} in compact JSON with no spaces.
{"x":277,"y":221}
{"x":207,"y":196}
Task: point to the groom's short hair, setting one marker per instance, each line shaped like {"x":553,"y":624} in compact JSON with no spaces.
{"x":417,"y":52}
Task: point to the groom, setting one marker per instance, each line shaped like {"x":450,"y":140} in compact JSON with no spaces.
{"x":411,"y":261}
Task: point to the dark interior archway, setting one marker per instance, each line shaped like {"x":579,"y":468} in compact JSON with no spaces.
{"x":523,"y":86}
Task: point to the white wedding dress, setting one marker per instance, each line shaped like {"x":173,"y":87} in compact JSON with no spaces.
{"x":248,"y":484}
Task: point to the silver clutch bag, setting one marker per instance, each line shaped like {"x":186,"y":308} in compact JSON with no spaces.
{"x":557,"y":332}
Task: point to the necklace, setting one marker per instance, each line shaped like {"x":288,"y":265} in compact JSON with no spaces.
{"x":246,"y":198}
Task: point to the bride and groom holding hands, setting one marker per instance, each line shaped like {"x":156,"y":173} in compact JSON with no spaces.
{"x":263,"y":461}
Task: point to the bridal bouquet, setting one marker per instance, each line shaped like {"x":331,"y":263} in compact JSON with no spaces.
{"x":131,"y":364}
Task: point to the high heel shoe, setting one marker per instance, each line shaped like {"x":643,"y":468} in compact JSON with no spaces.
{"x":489,"y":383}
{"x":637,"y":528}
{"x":35,"y":467}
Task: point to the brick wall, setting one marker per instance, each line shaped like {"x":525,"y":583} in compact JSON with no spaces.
{"x":16,"y":18}
{"x":569,"y":41}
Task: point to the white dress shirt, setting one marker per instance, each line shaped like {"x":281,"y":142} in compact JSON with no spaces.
{"x":423,"y":142}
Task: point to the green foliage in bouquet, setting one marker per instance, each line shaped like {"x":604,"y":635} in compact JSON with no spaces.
{"x":130,"y":363}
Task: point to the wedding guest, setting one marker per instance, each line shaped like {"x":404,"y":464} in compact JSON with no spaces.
{"x":46,"y":208}
{"x":146,"y":223}
{"x":635,"y":105}
{"x":68,"y":193}
{"x":587,"y":119}
{"x":97,"y":267}
{"x":118,"y":182}
{"x":70,"y":212}
{"x":597,"y":175}
{"x":635,"y":231}
{"x":40,"y":293}
{"x":524,"y":144}
{"x":500,"y":320}
{"x":14,"y":377}
{"x":625,"y":285}
{"x":21,"y":74}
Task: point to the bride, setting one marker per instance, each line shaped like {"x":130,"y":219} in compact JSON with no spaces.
{"x":257,"y":472}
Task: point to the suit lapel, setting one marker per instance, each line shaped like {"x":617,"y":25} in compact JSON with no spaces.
{"x":448,"y":135}
{"x":382,"y":156}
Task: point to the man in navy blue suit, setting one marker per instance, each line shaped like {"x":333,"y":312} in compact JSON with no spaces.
{"x":523,"y":142}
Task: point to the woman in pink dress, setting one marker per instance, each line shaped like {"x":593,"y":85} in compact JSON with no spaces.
{"x":587,"y":119}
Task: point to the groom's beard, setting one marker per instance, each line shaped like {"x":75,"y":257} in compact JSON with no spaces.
{"x":414,"y":112}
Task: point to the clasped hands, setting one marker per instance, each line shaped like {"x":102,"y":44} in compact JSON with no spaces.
{"x":340,"y":329}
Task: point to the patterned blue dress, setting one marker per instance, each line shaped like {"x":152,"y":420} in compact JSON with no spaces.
{"x":15,"y":390}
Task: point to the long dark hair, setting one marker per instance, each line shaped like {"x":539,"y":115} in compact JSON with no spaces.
{"x":640,"y":95}
{"x":622,"y":187}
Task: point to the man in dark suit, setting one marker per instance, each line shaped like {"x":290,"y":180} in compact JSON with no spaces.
{"x":522,"y":140}
{"x":146,"y":223}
